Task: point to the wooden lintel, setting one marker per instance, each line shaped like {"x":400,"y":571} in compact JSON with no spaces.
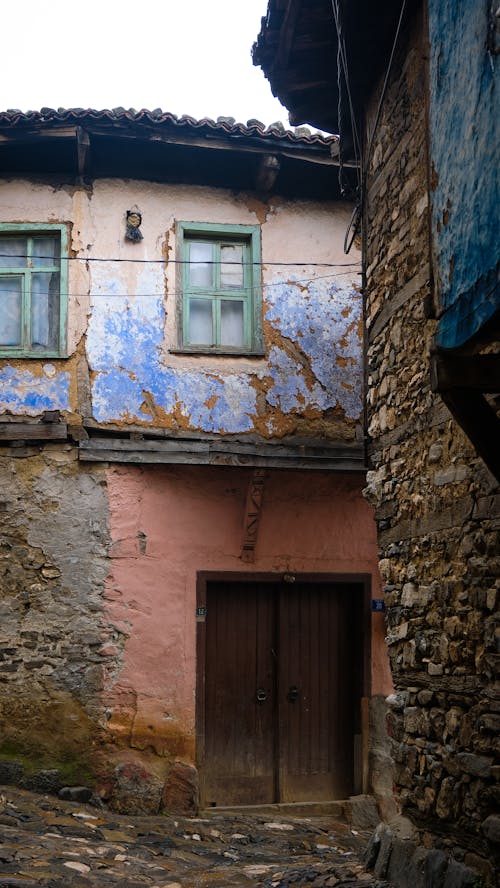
{"x":253,"y":508}
{"x":479,"y":373}
{"x":267,"y":173}
{"x":82,"y":150}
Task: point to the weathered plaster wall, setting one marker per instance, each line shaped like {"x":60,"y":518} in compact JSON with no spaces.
{"x":437,"y":509}
{"x":464,"y":120}
{"x":114,"y":664}
{"x":169,"y":523}
{"x":52,"y":570}
{"x":122,"y":317}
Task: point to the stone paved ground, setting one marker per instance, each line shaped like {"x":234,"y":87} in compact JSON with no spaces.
{"x":46,"y":842}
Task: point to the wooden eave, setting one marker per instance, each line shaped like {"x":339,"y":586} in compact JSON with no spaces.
{"x":297,"y":49}
{"x":123,"y":149}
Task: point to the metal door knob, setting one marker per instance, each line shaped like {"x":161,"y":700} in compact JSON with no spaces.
{"x":261,"y":695}
{"x":293,"y":694}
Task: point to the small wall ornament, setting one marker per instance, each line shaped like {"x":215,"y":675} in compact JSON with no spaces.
{"x":133,"y":225}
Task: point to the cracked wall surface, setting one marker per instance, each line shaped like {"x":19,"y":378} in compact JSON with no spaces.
{"x":53,"y":566}
{"x":99,"y":564}
{"x":122,"y":317}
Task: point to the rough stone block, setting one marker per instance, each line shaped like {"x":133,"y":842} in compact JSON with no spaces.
{"x":459,"y":876}
{"x":398,"y":870}
{"x":491,"y":828}
{"x":475,"y":765}
{"x":385,"y":837}
{"x":436,"y":864}
{"x":181,"y":791}
{"x":135,"y":790}
{"x":11,"y":772}
{"x":44,"y":781}
{"x":75,"y":793}
{"x":362,"y":812}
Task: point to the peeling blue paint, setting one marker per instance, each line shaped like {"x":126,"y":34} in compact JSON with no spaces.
{"x":23,"y":392}
{"x":465,"y":137}
{"x":319,"y":364}
{"x":124,"y":344}
{"x":323,"y":323}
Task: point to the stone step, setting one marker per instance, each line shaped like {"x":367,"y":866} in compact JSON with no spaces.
{"x":334,"y":809}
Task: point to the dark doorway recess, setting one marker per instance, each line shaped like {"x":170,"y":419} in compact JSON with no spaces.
{"x":281,"y":680}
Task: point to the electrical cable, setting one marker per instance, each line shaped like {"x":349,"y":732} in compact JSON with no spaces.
{"x":342,"y":53}
{"x":384,"y":87}
{"x":176,"y":262}
{"x":180,"y":293}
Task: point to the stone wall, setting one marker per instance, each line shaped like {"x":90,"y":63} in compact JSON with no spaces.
{"x":437,"y":506}
{"x":52,"y":570}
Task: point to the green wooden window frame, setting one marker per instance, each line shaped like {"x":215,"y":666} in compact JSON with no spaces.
{"x":221,"y":303}
{"x":23,"y":274}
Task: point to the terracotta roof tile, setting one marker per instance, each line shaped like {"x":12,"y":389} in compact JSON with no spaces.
{"x":157,"y":117}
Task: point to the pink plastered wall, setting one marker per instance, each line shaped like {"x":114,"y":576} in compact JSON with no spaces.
{"x":169,"y":523}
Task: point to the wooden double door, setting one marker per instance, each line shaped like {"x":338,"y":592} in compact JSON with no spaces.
{"x":281,"y":684}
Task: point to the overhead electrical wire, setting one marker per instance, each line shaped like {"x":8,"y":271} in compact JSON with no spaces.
{"x":177,"y":261}
{"x":361,"y":165}
{"x":175,"y":292}
{"x":384,"y":87}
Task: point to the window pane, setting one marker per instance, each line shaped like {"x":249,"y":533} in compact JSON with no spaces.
{"x":13,"y":252}
{"x":10,"y":309}
{"x":45,"y":251}
{"x":200,"y":264}
{"x":231,"y":322}
{"x":231,"y":268}
{"x":200,"y":322}
{"x":44,"y":310}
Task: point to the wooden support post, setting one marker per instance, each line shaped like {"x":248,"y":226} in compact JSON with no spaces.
{"x":253,"y":509}
{"x":82,"y":150}
{"x":462,"y":382}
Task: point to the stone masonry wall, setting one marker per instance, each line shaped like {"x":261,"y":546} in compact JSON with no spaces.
{"x":53,"y":546}
{"x":437,"y":507}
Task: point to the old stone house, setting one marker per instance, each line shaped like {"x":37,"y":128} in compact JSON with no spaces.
{"x":414,"y":97}
{"x":187,"y":563}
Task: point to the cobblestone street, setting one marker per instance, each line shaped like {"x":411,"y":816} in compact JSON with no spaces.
{"x":47,"y":842}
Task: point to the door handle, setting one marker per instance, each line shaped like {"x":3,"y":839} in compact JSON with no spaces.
{"x":261,"y":695}
{"x":293,"y":694}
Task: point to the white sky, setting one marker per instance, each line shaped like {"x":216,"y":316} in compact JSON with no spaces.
{"x":185,"y":56}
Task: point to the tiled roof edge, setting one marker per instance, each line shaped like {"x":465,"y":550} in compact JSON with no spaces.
{"x":158,"y":117}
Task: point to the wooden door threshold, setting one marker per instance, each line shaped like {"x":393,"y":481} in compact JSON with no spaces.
{"x":332,"y":808}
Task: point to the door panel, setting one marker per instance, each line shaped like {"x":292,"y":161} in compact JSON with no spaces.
{"x":317,"y":693}
{"x":239,"y":730}
{"x":298,"y":648}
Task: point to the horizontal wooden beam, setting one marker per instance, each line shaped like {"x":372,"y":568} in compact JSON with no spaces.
{"x":342,"y":458}
{"x":479,"y":373}
{"x":33,"y":431}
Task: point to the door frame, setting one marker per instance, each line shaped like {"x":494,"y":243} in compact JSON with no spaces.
{"x":203,"y":578}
